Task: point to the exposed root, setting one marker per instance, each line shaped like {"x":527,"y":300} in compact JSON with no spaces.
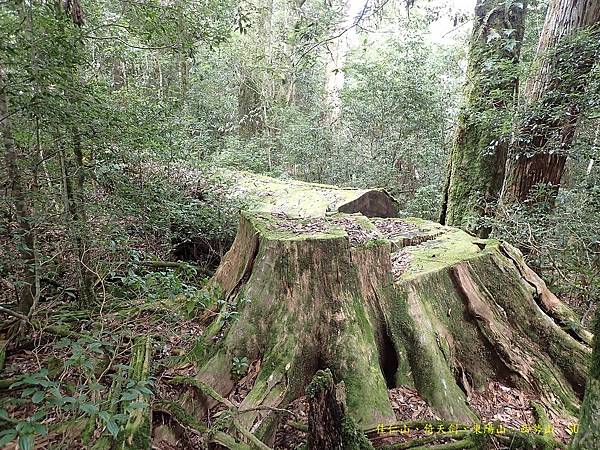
{"x":548,"y":302}
{"x":188,"y":422}
{"x":421,"y":441}
{"x":202,"y":387}
{"x":208,"y":390}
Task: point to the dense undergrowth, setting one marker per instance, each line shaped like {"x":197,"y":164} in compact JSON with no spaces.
{"x":74,"y":378}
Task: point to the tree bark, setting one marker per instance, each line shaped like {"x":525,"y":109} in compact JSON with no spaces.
{"x":329,"y":426}
{"x":567,"y":51}
{"x":478,"y":157}
{"x":588,"y":437}
{"x":85,"y":276}
{"x":26,"y":234}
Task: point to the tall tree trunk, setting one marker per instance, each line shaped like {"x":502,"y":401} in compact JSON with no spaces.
{"x":588,"y":437}
{"x":249,"y":106}
{"x":567,"y":51}
{"x":26,"y":234}
{"x":74,"y":192}
{"x":79,"y":216}
{"x":478,"y":157}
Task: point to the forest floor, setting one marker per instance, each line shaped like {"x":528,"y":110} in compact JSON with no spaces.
{"x":62,"y":373}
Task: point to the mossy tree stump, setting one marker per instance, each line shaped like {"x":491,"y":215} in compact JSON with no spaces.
{"x":380,"y":303}
{"x":446,"y":315}
{"x":588,"y":437}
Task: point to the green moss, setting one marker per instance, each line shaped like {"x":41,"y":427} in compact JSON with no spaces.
{"x":411,"y":326}
{"x":357,"y":363}
{"x":553,"y":388}
{"x":296,"y":198}
{"x":446,"y":250}
{"x":179,"y":413}
{"x":374,"y":243}
{"x":352,"y":437}
{"x":322,"y":380}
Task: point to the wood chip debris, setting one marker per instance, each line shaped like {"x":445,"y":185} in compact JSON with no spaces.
{"x":312,"y":225}
{"x":400,"y":262}
{"x":393,"y":228}
{"x":495,"y":403}
{"x":357,"y":234}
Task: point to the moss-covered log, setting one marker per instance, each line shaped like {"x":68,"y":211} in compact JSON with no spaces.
{"x":297,"y":198}
{"x":138,"y":428}
{"x":381,"y":302}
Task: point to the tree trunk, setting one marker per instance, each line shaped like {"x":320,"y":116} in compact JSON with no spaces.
{"x":478,"y":157}
{"x":382,"y":302}
{"x":249,"y":106}
{"x":85,"y":276}
{"x":588,"y":437}
{"x":26,"y":234}
{"x":567,"y":51}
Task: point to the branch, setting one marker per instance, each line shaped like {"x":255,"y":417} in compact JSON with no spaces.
{"x":341,"y":33}
{"x":10,"y":312}
{"x":208,"y":390}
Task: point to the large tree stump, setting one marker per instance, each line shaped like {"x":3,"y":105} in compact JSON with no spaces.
{"x":383,"y":302}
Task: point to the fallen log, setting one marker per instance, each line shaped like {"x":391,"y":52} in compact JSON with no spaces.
{"x":297,"y":198}
{"x":138,"y":429}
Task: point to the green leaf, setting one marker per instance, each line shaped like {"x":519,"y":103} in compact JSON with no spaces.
{"x":4,"y":415}
{"x":145,"y":390}
{"x":7,"y":436}
{"x":89,"y":408}
{"x":104,"y":415}
{"x":38,"y":415}
{"x":136,"y":405}
{"x":26,"y":442}
{"x":40,"y":429}
{"x":29,"y":391}
{"x":24,"y":427}
{"x":129,"y":395}
{"x":38,"y":397}
{"x":112,"y":428}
